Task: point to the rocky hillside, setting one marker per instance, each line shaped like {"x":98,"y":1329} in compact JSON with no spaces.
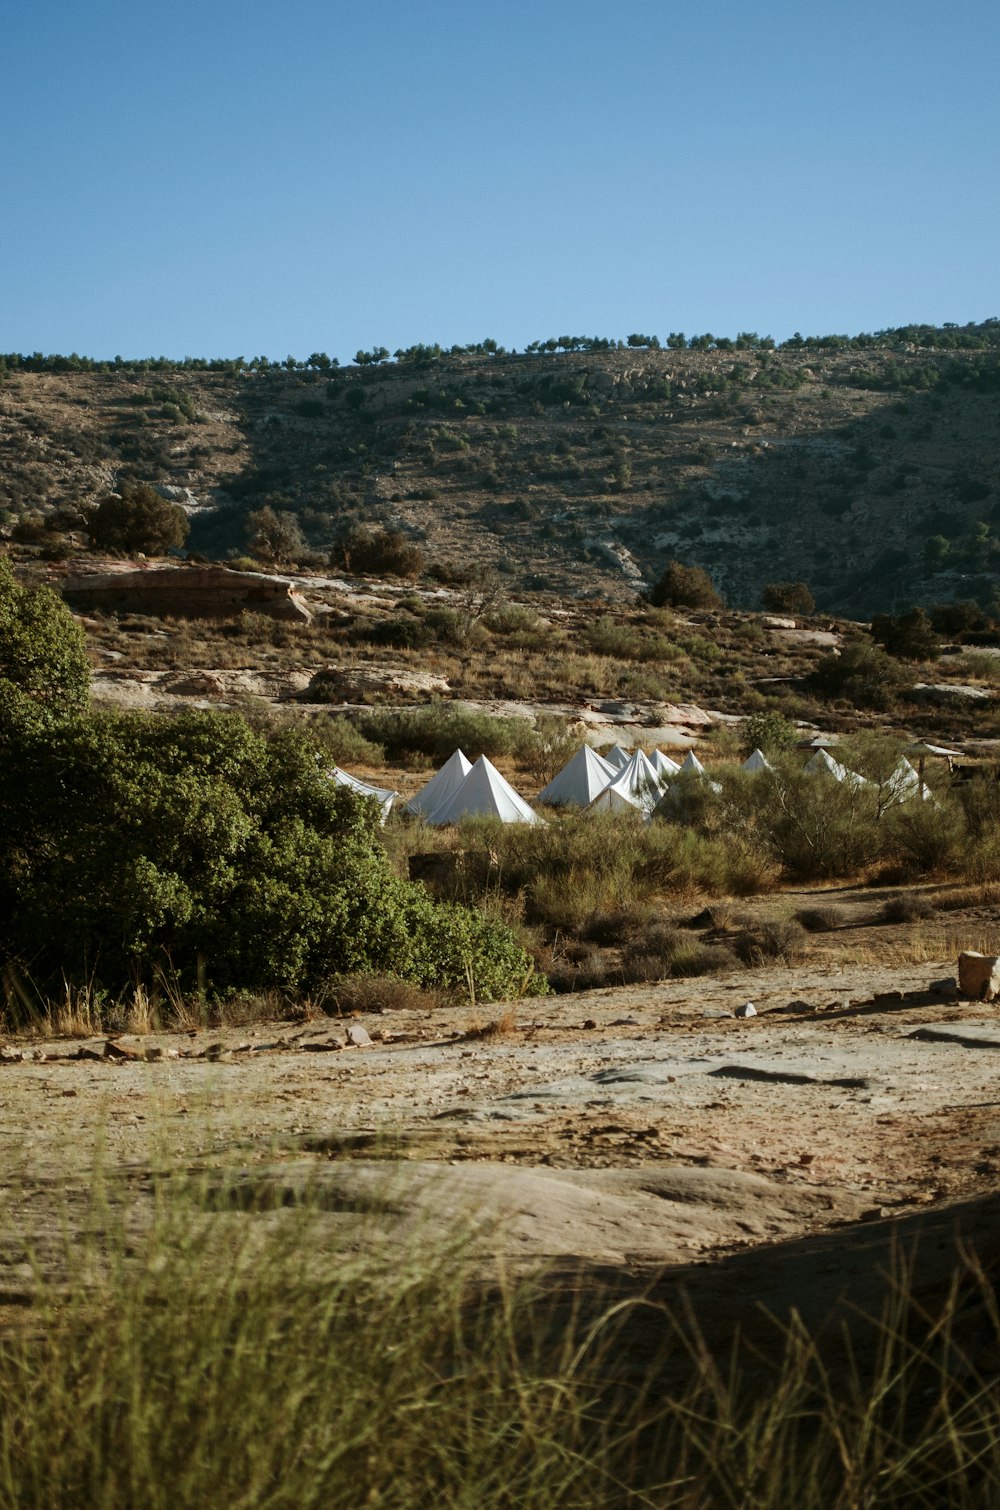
{"x":872,"y":474}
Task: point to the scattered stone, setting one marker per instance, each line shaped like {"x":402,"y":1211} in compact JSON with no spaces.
{"x":887,"y":996}
{"x":358,"y":1036}
{"x":978,"y":975}
{"x":11,"y":1056}
{"x":746,"y":1010}
{"x":153,"y":1053}
{"x":120,"y":1053}
{"x":589,"y":1023}
{"x":717,"y":1012}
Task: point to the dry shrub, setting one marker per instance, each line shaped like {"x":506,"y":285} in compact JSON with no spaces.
{"x":818,"y":919}
{"x":344,"y":994}
{"x":907,"y":907}
{"x":771,"y":939}
{"x":498,"y":1027}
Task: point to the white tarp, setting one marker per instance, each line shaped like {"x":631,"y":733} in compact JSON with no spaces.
{"x":579,"y":781}
{"x":691,"y":765}
{"x":483,"y":794}
{"x":905,"y":783}
{"x":383,"y":796}
{"x":441,"y":786}
{"x":757,"y":761}
{"x":636,"y":786}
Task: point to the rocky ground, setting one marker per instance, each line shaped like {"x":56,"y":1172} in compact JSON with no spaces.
{"x":650,"y":1135}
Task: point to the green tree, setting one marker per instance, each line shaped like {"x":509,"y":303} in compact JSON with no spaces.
{"x":131,"y":844}
{"x":861,"y":673}
{"x":684,"y":587}
{"x":907,"y":636}
{"x":43,"y":653}
{"x":788,"y":597}
{"x":136,"y":518}
{"x":770,"y":732}
{"x":275,"y":535}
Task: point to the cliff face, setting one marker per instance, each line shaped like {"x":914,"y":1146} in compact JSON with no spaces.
{"x":873,"y":475}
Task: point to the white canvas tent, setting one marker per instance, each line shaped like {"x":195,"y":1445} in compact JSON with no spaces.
{"x":823,"y":764}
{"x":617,"y":757}
{"x":483,"y":794}
{"x":663,"y":765}
{"x":637,"y":786}
{"x":904,"y":783}
{"x":757,"y":761}
{"x":441,"y":786}
{"x":692,"y":765}
{"x":383,"y":796}
{"x":579,"y":781}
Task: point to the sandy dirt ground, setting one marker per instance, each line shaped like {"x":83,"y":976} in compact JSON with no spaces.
{"x":644,"y":1134}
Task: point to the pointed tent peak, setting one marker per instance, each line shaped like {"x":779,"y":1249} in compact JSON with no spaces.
{"x":662,"y":764}
{"x":692,"y":764}
{"x":617,"y":757}
{"x":579,"y":781}
{"x":484,"y":794}
{"x":637,"y":786}
{"x":823,"y":764}
{"x":441,"y":785}
{"x":757,"y":761}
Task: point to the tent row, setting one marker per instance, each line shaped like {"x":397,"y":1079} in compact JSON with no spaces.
{"x":600,"y":783}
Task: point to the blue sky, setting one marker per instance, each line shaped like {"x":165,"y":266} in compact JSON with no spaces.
{"x":218,"y":178}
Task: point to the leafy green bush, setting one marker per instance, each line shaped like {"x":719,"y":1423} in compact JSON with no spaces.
{"x":43,"y":652}
{"x":788,"y":597}
{"x":440,"y":728}
{"x":131,"y":845}
{"x":138,"y":519}
{"x":684,"y":587}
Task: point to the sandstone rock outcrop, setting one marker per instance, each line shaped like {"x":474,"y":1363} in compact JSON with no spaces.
{"x":195,"y":592}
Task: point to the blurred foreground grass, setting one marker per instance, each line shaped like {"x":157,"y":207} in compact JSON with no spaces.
{"x":224,"y":1356}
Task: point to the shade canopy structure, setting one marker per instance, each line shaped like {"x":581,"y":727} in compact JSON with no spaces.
{"x":662,"y":764}
{"x":441,"y":786}
{"x":484,"y":793}
{"x":757,"y":761}
{"x":921,"y":750}
{"x":617,"y":757}
{"x":819,"y":742}
{"x":637,"y":786}
{"x":579,"y":781}
{"x":383,"y":796}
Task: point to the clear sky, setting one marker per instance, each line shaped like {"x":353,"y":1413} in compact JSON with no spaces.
{"x":235,"y":177}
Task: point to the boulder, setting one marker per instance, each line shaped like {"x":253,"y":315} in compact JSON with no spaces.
{"x":978,"y":975}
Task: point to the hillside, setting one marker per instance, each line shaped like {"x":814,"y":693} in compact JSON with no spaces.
{"x":872,"y":472}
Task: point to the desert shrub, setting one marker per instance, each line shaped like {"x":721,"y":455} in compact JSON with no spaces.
{"x":378,"y":992}
{"x":957,"y":618}
{"x":138,"y":519}
{"x":649,"y":955}
{"x":275,"y":535}
{"x":813,"y":826}
{"x":907,"y":636}
{"x":788,"y":598}
{"x":401,"y":633}
{"x":440,"y":728}
{"x":818,"y":919}
{"x":682,"y":586}
{"x":907,"y":907}
{"x":43,"y":653}
{"x":378,"y":552}
{"x":928,"y":836}
{"x":215,"y":852}
{"x":769,"y":731}
{"x":862,"y":673}
{"x":771,"y":939}
{"x":344,"y":742}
